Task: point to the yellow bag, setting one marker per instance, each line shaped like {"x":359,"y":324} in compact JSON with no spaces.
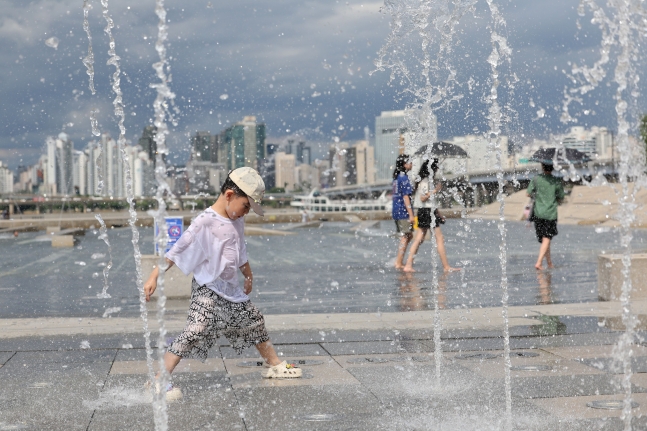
{"x":415,"y":223}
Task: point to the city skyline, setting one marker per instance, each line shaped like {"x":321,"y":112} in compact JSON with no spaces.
{"x":300,"y":68}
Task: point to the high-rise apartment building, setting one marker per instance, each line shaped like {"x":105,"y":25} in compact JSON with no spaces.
{"x":6,"y":179}
{"x":242,"y":144}
{"x":59,"y":166}
{"x":79,"y":173}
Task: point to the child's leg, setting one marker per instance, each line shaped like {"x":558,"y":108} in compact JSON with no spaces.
{"x":266,"y":349}
{"x":545,"y":244}
{"x":440,"y":246}
{"x":549,"y":261}
{"x":170,"y":361}
{"x":402,"y":248}
{"x":420,"y":237}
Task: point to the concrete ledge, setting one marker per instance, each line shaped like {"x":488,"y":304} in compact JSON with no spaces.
{"x":176,"y":284}
{"x":62,"y":241}
{"x":610,"y":276}
{"x":52,"y":229}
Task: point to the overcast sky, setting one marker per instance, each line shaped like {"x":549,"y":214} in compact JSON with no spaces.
{"x":300,"y":66}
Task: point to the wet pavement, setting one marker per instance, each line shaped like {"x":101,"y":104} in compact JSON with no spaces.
{"x":326,"y":270}
{"x":334,"y":306}
{"x":353,"y":380}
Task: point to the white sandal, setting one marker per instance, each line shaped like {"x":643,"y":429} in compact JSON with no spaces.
{"x":173,"y":393}
{"x":283,"y":371}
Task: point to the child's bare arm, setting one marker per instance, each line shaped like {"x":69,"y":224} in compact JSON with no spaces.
{"x":151,"y":283}
{"x":247,"y":272}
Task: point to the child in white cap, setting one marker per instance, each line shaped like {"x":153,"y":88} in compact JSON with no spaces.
{"x":213,"y":249}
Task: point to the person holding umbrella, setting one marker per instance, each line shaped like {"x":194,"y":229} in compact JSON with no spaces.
{"x":425,"y":201}
{"x":547,"y":192}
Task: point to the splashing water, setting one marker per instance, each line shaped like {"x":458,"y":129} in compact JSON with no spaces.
{"x":120,"y":114}
{"x":94,"y":123}
{"x":52,"y":42}
{"x":432,"y":83}
{"x":438,"y":347}
{"x":501,"y":53}
{"x":160,"y":106}
{"x":88,"y":61}
{"x":103,"y":231}
{"x":621,"y":28}
{"x":103,"y":234}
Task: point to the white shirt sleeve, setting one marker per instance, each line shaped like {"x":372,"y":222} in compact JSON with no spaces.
{"x":188,"y":252}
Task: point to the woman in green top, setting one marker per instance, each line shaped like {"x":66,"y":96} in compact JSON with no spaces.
{"x":548,"y":192}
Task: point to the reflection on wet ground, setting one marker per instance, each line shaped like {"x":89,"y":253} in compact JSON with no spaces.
{"x":330,"y":269}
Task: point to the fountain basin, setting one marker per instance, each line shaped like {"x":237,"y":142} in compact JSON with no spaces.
{"x":610,"y":277}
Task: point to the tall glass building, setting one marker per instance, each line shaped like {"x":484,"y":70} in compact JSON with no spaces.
{"x":388,"y":128}
{"x":397,"y":130}
{"x":242,"y":144}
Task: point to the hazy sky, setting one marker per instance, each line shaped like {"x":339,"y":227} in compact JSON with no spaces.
{"x":300,"y":66}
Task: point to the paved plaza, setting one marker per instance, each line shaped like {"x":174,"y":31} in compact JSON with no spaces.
{"x":363,"y":336}
{"x":361,"y":372}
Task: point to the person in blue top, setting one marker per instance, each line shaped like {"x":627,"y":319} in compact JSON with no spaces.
{"x":402,"y":211}
{"x":548,"y":192}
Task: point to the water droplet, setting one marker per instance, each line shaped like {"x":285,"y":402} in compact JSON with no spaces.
{"x":52,"y":42}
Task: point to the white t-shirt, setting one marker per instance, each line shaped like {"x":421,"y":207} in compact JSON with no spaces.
{"x":213,"y":248}
{"x":425,"y":185}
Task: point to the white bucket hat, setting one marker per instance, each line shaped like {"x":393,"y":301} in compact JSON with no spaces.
{"x":251,"y":183}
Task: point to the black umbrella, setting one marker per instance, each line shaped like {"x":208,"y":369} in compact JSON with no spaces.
{"x":560,"y":156}
{"x":441,"y":149}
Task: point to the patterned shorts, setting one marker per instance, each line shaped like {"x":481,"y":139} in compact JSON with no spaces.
{"x":211,"y":316}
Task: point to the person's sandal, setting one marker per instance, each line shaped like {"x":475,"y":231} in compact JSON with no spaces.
{"x":173,"y":393}
{"x":283,"y":371}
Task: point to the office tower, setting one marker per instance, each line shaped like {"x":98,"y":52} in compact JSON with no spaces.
{"x":351,"y":164}
{"x":302,"y":150}
{"x":306,"y":176}
{"x":594,"y":142}
{"x":364,"y":160}
{"x":204,"y":147}
{"x":242,"y":144}
{"x":338,"y":163}
{"x":390,"y":130}
{"x":284,"y":167}
{"x":481,"y":157}
{"x":205,"y":177}
{"x":147,"y":142}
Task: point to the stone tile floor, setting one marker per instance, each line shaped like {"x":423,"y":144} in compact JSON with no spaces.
{"x":372,"y":384}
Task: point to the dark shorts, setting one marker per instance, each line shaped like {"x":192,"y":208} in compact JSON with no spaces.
{"x":425,"y":218}
{"x":404,"y":227}
{"x":545,"y":228}
{"x":211,"y":316}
